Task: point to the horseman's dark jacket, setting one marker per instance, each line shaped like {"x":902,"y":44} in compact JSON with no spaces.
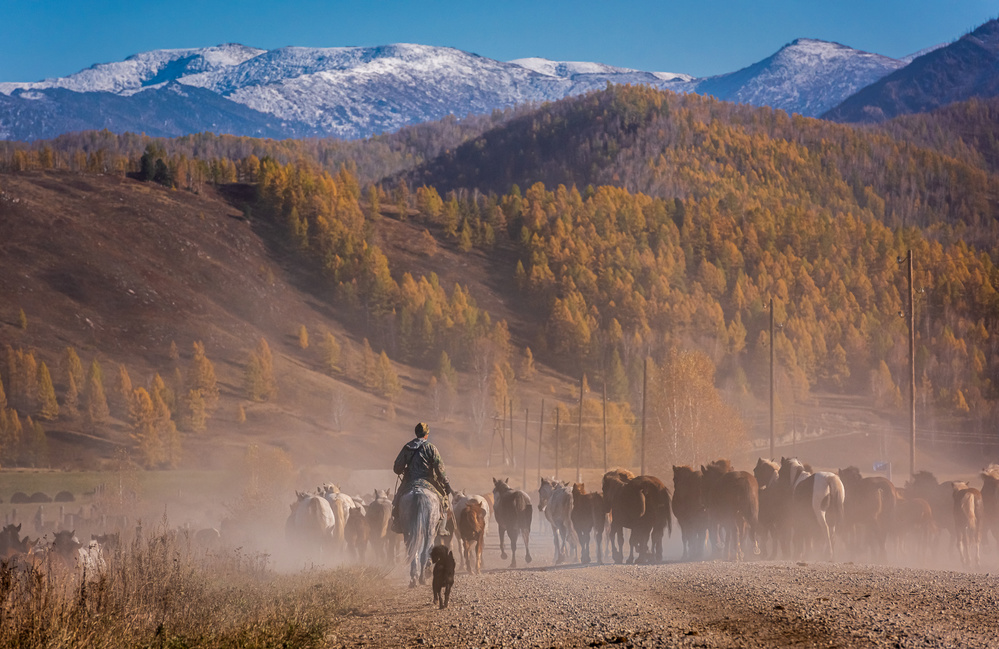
{"x":420,"y":460}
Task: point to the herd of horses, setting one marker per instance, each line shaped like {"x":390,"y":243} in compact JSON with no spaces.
{"x":778,"y":510}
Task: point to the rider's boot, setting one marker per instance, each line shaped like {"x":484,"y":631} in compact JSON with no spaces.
{"x":396,"y":521}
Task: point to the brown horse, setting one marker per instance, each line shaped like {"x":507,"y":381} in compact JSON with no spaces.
{"x":914,"y":521}
{"x":514,"y":513}
{"x":588,"y":516}
{"x":939,"y":495}
{"x":990,"y":502}
{"x":689,"y":509}
{"x":472,"y":530}
{"x":612,"y":484}
{"x":356,"y":532}
{"x":732,"y":500}
{"x":775,"y":506}
{"x":967,"y":521}
{"x":868,"y":510}
{"x":643,"y":505}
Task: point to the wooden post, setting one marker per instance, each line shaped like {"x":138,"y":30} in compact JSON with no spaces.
{"x":645,"y":391}
{"x":557,"y":414}
{"x":579,"y":435}
{"x":772,"y":426}
{"x":541,"y":433}
{"x":605,"y":426}
{"x":525,"y":449}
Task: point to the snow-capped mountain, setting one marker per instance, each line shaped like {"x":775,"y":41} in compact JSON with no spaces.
{"x":806,"y":76}
{"x":352,"y":92}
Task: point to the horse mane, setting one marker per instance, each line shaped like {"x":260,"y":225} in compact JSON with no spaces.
{"x":723,"y":465}
{"x":770,"y":463}
{"x":991,"y":471}
{"x":623,"y":474}
{"x":579,"y":489}
{"x":851,"y":474}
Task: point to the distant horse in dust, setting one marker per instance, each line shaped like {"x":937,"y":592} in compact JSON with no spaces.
{"x":311,"y":526}
{"x":472,"y":530}
{"x":588,"y":516}
{"x":11,"y":542}
{"x":732,"y":499}
{"x":420,"y":515}
{"x":341,"y":504}
{"x":967,"y":522}
{"x":940,"y":498}
{"x":611,"y":485}
{"x":356,"y":532}
{"x":555,"y":500}
{"x":990,"y":502}
{"x":775,"y":509}
{"x":690,"y":511}
{"x":459,"y":501}
{"x":382,"y":539}
{"x":817,"y":505}
{"x":869,"y":510}
{"x":514,"y":513}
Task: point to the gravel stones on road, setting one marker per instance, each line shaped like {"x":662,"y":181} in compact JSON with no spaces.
{"x":709,"y":604}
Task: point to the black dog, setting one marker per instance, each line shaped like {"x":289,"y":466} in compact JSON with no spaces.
{"x":443,"y":562}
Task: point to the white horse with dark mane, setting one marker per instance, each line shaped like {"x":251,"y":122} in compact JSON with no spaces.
{"x":420,"y":514}
{"x":817,"y":504}
{"x":556,"y":502}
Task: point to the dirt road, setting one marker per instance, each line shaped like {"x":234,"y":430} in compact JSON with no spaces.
{"x":706,"y":604}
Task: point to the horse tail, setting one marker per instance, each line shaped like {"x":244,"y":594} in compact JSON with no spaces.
{"x":640,"y":511}
{"x":837,"y":495}
{"x":668,"y":511}
{"x":528,"y":520}
{"x":340,"y":516}
{"x":419,"y":526}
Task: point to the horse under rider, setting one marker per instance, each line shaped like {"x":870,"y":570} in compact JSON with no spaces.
{"x":419,"y":460}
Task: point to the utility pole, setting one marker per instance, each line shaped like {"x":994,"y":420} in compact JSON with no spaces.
{"x":772,"y":426}
{"x":541,"y":433}
{"x":912,"y":374}
{"x":605,"y":426}
{"x":524,"y":463}
{"x":557,"y":414}
{"x":579,"y":434}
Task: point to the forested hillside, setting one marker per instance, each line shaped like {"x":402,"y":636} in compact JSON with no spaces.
{"x":619,"y":226}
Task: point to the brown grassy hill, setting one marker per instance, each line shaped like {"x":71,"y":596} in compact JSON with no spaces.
{"x":118,"y":269}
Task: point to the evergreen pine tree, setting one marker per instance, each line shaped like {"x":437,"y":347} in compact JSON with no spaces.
{"x":73,"y":367}
{"x":388,"y":380}
{"x":22,"y":320}
{"x":330,"y":351}
{"x":303,"y":337}
{"x":96,"y":403}
{"x":121,"y":395}
{"x":71,"y":399}
{"x":142,"y":417}
{"x":197,"y":411}
{"x":3,"y":396}
{"x":370,"y":365}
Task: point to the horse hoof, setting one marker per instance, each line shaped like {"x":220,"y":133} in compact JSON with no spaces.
{"x":503,"y":555}
{"x":412,"y":584}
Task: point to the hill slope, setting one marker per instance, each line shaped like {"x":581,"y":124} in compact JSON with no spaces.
{"x":967,"y":68}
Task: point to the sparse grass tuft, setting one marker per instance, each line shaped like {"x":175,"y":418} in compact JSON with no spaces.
{"x":160,"y":592}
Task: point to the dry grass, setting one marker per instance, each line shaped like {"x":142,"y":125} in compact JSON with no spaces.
{"x":162,"y":592}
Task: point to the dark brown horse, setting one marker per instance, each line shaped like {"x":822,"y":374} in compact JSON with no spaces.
{"x":732,"y":500}
{"x":514,"y":512}
{"x":472,"y":530}
{"x":588,"y":516}
{"x":775,"y":505}
{"x":612,"y":483}
{"x":689,"y":509}
{"x":383,"y":540}
{"x":643,"y":505}
{"x":868,"y":511}
{"x":940,"y":497}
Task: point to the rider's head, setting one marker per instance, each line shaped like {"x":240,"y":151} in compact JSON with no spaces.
{"x":422,"y":430}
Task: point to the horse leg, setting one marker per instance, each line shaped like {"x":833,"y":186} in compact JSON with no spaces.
{"x":598,"y":537}
{"x":478,"y":553}
{"x":502,"y":548}
{"x":584,"y":546}
{"x":513,"y":548}
{"x":527,"y":549}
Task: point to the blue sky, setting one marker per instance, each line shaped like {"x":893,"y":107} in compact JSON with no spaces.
{"x":47,"y":38}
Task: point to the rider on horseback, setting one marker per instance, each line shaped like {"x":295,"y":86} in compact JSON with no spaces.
{"x":419,"y":460}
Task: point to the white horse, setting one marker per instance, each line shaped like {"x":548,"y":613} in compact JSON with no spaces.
{"x":311,"y":524}
{"x":420,"y":515}
{"x":556,"y":502}
{"x":817,"y":498}
{"x":341,"y":504}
